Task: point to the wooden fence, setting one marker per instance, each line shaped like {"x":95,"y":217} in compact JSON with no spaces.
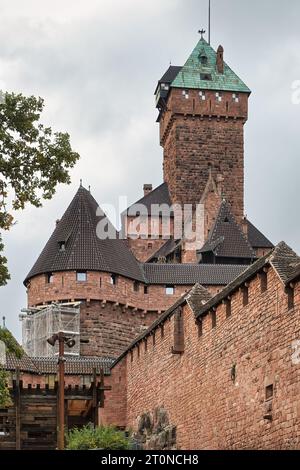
{"x":31,"y":422}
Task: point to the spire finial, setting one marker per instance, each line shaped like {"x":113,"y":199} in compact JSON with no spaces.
{"x":80,"y":184}
{"x":89,"y":188}
{"x":3,"y":322}
{"x":202,"y":32}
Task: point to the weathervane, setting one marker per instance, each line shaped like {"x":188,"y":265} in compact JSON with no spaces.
{"x":202,"y":31}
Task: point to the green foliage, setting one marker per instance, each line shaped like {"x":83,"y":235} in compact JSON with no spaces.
{"x":103,"y":437}
{"x":10,"y":342}
{"x":11,"y":346}
{"x":4,"y":274}
{"x":33,"y":159}
{"x":5,"y":400}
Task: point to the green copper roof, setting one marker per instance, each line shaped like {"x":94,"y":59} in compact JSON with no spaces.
{"x":189,"y":76}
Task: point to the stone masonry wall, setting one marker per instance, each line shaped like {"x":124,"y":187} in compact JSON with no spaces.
{"x":196,"y":138}
{"x":236,"y":386}
{"x":112,"y":316}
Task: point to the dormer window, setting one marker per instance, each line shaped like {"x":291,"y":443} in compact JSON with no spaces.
{"x":205,"y":76}
{"x":203,"y":59}
{"x":218,"y":96}
{"x":235,"y":97}
{"x":164,"y":86}
{"x":202,"y":95}
{"x":62,"y":246}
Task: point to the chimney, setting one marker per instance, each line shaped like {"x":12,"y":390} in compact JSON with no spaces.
{"x":220,"y":60}
{"x":147,"y":189}
{"x":245,"y":226}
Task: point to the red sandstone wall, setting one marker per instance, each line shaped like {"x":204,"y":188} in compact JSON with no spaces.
{"x":112,"y":316}
{"x":197,"y":134}
{"x":114,"y":411}
{"x":210,"y":410}
{"x":98,"y":287}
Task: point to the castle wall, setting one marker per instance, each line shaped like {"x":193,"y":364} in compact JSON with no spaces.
{"x":218,"y":393}
{"x":111,"y":316}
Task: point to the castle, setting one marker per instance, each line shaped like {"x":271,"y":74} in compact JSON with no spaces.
{"x":126,"y":281}
{"x":190,"y":309}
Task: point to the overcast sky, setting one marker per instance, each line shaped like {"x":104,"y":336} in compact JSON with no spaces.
{"x":96,"y":64}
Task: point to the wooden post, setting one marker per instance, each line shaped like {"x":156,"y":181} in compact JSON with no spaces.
{"x":94,"y":401}
{"x":61,"y":393}
{"x":18,"y":410}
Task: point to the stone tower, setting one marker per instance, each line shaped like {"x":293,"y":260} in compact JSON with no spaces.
{"x":203,"y":107}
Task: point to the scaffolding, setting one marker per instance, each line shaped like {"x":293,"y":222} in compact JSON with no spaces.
{"x":40,"y":323}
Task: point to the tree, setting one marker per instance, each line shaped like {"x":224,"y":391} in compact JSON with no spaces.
{"x":11,"y":346}
{"x":33,"y":160}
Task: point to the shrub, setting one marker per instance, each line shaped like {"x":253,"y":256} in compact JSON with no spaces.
{"x":102,"y":437}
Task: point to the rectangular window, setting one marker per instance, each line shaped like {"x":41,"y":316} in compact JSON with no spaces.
{"x":263,"y":282}
{"x":185,"y":94}
{"x":269,"y":392}
{"x":245,"y":293}
{"x":202,"y":95}
{"x":227,"y":303}
{"x":170,"y":290}
{"x":218,"y":96}
{"x":150,"y":246}
{"x":113,"y":279}
{"x":291,"y":297}
{"x":62,"y":246}
{"x":81,"y":276}
{"x":136,"y":286}
{"x":200,"y":328}
{"x":49,"y":278}
{"x":145,"y":290}
{"x":205,"y":76}
{"x":235,"y":97}
{"x":178,"y":347}
{"x":213,"y":319}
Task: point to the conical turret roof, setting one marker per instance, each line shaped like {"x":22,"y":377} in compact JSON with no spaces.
{"x":74,"y":244}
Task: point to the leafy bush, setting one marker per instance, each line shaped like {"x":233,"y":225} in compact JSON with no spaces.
{"x":5,"y":399}
{"x":10,"y":342}
{"x":103,"y":437}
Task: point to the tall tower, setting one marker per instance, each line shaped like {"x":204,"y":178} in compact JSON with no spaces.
{"x":203,"y":107}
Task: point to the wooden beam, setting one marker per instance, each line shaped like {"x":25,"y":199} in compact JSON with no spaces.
{"x":18,"y":410}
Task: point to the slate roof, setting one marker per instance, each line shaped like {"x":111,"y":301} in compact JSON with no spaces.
{"x":74,"y":365}
{"x":159,"y":195}
{"x":25,"y":363}
{"x":170,"y":74}
{"x":188,"y":274}
{"x":166,"y":249}
{"x":226,"y":238}
{"x":256,"y":238}
{"x":83,"y":249}
{"x":282,"y":258}
{"x":197,"y":291}
{"x":190,"y":74}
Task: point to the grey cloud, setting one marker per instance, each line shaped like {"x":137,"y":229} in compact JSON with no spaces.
{"x":96,"y":64}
